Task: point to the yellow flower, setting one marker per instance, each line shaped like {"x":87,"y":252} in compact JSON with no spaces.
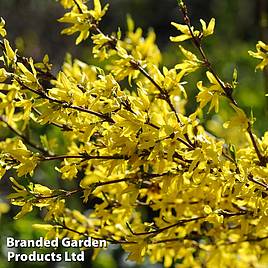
{"x":239,"y":120}
{"x":191,"y":63}
{"x":82,"y":19}
{"x":209,"y":94}
{"x":187,"y":33}
{"x":3,"y":32}
{"x":208,"y":30}
{"x":97,"y":13}
{"x":262,"y":53}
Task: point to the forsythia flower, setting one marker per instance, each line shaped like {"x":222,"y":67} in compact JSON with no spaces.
{"x":240,"y":120}
{"x":2,"y":29}
{"x":3,"y":75}
{"x":10,"y":53}
{"x":97,"y":13}
{"x":186,"y":32}
{"x":104,"y":46}
{"x":208,"y":30}
{"x":262,"y":53}
{"x":210,"y":94}
{"x":82,"y":19}
{"x":191,"y":64}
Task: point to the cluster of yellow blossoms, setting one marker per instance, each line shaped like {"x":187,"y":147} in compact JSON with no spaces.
{"x":167,"y":188}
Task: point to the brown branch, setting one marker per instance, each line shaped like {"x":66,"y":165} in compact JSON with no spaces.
{"x":228,"y":214}
{"x":170,"y":240}
{"x":135,"y":64}
{"x":102,"y":183}
{"x":63,"y":127}
{"x":84,"y":156}
{"x":250,"y":178}
{"x":78,"y":7}
{"x":45,"y":75}
{"x":227,"y":89}
{"x":262,"y":159}
{"x":224,"y":213}
{"x":67,"y":105}
{"x":155,"y":232}
{"x":145,"y":176}
{"x":85,"y":234}
{"x":25,"y":139}
{"x":186,"y":143}
{"x":163,"y":93}
{"x":62,"y":193}
{"x":177,"y":239}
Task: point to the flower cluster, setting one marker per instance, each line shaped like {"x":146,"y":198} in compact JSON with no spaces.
{"x":131,"y":145}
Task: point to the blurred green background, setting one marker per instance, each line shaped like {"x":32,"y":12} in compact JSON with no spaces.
{"x":32,"y":26}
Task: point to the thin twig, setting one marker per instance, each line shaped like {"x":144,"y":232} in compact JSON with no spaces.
{"x":62,"y":193}
{"x":25,"y":139}
{"x":250,"y":177}
{"x":157,"y":231}
{"x":67,"y":105}
{"x":85,"y":234}
{"x":228,"y":91}
{"x":84,"y":156}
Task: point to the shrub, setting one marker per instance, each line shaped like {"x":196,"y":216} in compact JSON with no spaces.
{"x":166,"y":187}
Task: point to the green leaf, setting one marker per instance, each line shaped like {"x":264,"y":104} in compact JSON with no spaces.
{"x":232,"y":150}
